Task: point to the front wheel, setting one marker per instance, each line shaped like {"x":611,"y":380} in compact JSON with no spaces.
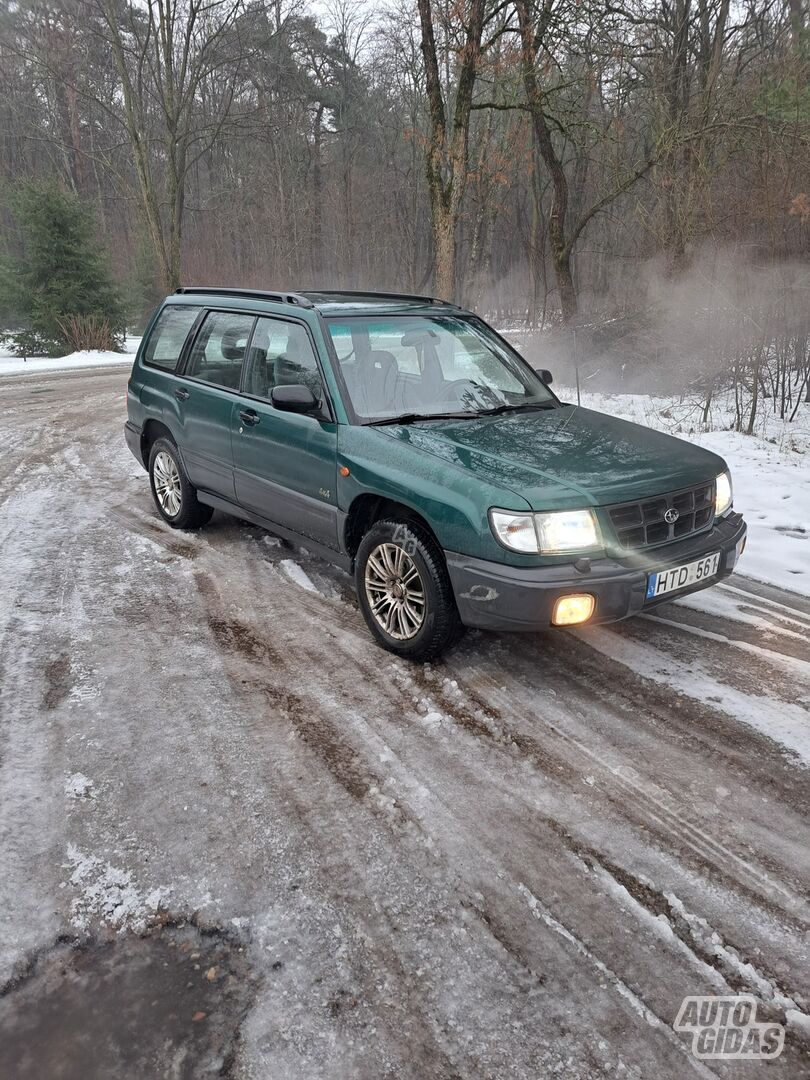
{"x":175,"y":498}
{"x":404,"y":591}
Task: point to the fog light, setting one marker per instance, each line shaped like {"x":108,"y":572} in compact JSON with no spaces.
{"x":570,"y":610}
{"x":741,"y":546}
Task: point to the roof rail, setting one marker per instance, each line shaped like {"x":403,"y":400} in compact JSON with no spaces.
{"x":372,"y":292}
{"x":297,"y":299}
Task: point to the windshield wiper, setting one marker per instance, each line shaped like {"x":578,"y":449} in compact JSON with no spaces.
{"x":521,"y":407}
{"x":411,"y":418}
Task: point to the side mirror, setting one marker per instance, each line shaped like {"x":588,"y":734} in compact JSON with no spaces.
{"x":295,"y":398}
{"x":545,"y":375}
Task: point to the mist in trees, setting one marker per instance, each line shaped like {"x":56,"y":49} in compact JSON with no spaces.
{"x":558,"y":164}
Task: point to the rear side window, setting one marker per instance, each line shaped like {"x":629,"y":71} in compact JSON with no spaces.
{"x":219,"y":349}
{"x":169,"y":335}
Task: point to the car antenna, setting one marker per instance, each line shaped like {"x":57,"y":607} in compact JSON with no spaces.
{"x":565,"y":422}
{"x":564,"y":425}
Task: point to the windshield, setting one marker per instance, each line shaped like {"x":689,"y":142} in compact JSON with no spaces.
{"x":420,"y":366}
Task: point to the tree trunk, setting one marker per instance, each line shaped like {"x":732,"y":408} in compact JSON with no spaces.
{"x":447,"y":153}
{"x":560,"y":247}
{"x":444,"y":228}
{"x":569,"y":302}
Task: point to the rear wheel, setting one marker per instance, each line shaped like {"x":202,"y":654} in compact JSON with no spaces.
{"x":175,"y":498}
{"x":405,"y":592}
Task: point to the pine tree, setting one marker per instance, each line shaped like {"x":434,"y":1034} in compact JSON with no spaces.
{"x":57,"y":289}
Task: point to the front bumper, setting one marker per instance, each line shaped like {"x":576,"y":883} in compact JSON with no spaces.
{"x":495,"y":596}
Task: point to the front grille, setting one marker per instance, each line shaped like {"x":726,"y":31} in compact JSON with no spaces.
{"x":643,"y":523}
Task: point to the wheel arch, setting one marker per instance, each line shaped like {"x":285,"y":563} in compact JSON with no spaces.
{"x":367,"y":509}
{"x":152,"y":431}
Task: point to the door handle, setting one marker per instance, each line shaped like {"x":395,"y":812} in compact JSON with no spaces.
{"x":249,"y":416}
{"x":181,"y":394}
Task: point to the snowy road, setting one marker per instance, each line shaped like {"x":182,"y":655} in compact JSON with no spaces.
{"x":514,"y":864}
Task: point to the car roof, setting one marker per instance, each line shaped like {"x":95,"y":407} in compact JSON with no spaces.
{"x":338,"y":302}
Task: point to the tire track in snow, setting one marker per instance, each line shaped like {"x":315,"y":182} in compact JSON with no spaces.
{"x":409,"y":829}
{"x":785,"y":722}
{"x":793,"y":664}
{"x":629,"y":796}
{"x":467,"y":722}
{"x":622,"y":987}
{"x":672,"y":825}
{"x":364,"y":780}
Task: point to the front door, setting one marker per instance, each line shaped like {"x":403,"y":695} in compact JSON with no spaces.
{"x":212,"y":377}
{"x":285,"y":464}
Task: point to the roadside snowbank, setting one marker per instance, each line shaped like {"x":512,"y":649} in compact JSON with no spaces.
{"x":770,"y":471}
{"x":36,"y":365}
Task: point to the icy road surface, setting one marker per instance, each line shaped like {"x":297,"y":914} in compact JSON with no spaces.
{"x":515,"y":863}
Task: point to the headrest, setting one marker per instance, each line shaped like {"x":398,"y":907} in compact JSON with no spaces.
{"x":296,"y":344}
{"x":380,"y":359}
{"x":233,"y":344}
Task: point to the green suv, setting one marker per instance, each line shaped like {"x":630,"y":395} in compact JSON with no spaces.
{"x":403,"y":439}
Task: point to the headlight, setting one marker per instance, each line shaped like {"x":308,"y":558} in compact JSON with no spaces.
{"x":567,"y":530}
{"x":723,"y":495}
{"x":553,"y":533}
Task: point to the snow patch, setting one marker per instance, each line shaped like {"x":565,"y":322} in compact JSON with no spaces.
{"x":731,"y":603}
{"x":711,"y":942}
{"x":85,"y":687}
{"x":432,"y":719}
{"x":88,"y":358}
{"x":781,"y":721}
{"x":659,"y":924}
{"x":297,"y":574}
{"x":799,"y":1021}
{"x":794,"y":665}
{"x":541,"y":912}
{"x":109,"y":894}
{"x":78,"y":786}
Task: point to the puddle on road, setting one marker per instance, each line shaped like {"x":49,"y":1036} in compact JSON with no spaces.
{"x":166,"y":1005}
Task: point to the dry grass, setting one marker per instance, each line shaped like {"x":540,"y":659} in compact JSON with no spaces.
{"x":82,"y":332}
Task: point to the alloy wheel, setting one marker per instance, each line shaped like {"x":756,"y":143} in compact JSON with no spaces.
{"x":395,"y":591}
{"x":166,"y":477}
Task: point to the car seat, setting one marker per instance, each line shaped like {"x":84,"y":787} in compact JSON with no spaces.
{"x":375,"y":382}
{"x":296,"y":365}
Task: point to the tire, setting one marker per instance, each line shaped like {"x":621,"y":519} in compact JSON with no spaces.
{"x":400,"y":571}
{"x":176,"y":500}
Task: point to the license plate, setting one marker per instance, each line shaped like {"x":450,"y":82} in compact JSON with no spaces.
{"x":678,"y":577}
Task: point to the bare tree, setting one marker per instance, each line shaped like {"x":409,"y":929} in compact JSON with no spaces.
{"x":447,"y":150}
{"x":535,"y":20}
{"x":490,"y":146}
{"x":166,"y":53}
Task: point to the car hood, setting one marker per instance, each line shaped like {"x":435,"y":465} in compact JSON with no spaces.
{"x":565,"y":457}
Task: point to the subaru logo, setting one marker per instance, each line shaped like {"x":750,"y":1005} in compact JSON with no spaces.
{"x":671,"y":516}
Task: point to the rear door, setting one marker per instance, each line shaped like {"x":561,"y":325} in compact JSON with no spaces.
{"x":211,"y":381}
{"x":154,"y":380}
{"x":285,"y":464}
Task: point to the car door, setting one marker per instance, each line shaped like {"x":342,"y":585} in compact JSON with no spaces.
{"x":285,"y":463}
{"x":212,"y":376}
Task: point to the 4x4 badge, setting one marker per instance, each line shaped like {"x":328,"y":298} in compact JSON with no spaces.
{"x":671,"y":516}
